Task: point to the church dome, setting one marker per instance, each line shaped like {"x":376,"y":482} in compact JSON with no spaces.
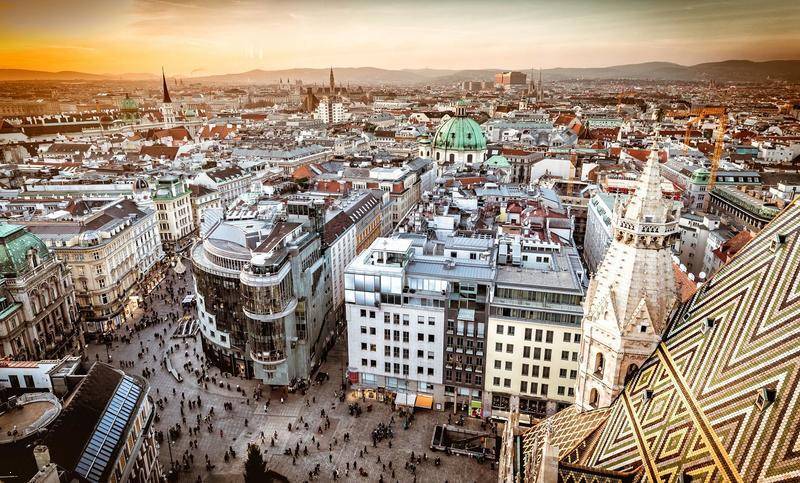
{"x":140,"y":185}
{"x":16,"y":243}
{"x":460,"y":133}
{"x":497,"y":161}
{"x":128,"y":104}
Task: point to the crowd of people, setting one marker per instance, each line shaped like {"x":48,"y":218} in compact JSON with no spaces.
{"x":311,"y":439}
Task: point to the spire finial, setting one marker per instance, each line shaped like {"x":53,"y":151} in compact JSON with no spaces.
{"x":164,"y":82}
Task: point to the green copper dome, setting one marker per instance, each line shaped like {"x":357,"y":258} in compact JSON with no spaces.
{"x":128,"y":104}
{"x":15,"y":244}
{"x":459,"y":133}
{"x":497,"y":161}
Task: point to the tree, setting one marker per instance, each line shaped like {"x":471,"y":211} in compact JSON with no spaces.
{"x":255,"y":468}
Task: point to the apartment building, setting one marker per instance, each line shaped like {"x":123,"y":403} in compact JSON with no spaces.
{"x":534,"y":326}
{"x":470,"y":274}
{"x":695,"y":231}
{"x":203,"y":198}
{"x":397,"y":313}
{"x":352,"y":228}
{"x":402,"y":184}
{"x":230,"y":182}
{"x":174,"y":212}
{"x":109,"y":250}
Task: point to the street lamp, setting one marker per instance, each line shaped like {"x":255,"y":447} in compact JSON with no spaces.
{"x":108,"y":346}
{"x":169,"y":447}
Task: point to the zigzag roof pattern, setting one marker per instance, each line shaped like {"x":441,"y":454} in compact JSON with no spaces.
{"x":719,"y":400}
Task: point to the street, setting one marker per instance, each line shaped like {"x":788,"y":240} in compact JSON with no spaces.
{"x":321,"y":447}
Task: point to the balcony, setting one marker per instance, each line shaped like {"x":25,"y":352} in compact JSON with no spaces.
{"x":272,"y":358}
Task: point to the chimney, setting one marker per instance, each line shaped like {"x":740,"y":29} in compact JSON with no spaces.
{"x":42,"y":456}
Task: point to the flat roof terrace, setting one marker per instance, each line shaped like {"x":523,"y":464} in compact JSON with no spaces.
{"x":33,"y":412}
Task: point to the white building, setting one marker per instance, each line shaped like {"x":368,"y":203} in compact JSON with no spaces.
{"x":331,"y":111}
{"x":534,"y":330}
{"x":694,"y":237}
{"x":598,"y":228}
{"x":230,"y":182}
{"x":174,"y":211}
{"x":347,"y":233}
{"x":393,"y":345}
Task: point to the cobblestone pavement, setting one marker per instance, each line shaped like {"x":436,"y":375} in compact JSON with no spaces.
{"x":229,"y":429}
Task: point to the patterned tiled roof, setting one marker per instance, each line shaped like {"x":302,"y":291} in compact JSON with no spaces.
{"x":718,"y":400}
{"x":568,"y":429}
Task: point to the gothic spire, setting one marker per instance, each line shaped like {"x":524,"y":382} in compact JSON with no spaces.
{"x":647,"y":204}
{"x":166,"y":91}
{"x":331,"y":80}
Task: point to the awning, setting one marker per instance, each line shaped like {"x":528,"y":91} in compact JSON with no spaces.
{"x":476,"y":404}
{"x":405,"y":399}
{"x":423,"y":401}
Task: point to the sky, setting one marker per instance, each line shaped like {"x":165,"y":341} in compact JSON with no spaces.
{"x":193,"y":38}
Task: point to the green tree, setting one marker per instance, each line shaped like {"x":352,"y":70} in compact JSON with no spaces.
{"x":255,"y":468}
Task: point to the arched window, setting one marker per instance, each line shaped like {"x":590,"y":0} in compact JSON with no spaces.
{"x":438,"y":156}
{"x":469,"y":158}
{"x":632,"y":369}
{"x":452,"y":157}
{"x":35,"y":302}
{"x":599,"y":364}
{"x":594,"y":398}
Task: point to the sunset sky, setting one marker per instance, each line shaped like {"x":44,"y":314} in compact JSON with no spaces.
{"x":224,"y":36}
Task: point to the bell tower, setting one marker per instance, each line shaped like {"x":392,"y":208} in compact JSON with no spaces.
{"x":167,"y":111}
{"x":632,"y":293}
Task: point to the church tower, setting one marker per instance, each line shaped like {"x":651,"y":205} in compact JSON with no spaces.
{"x":167,"y":111}
{"x":332,"y":85}
{"x":631,"y":294}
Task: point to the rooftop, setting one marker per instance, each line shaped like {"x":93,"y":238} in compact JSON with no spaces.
{"x":34,"y":411}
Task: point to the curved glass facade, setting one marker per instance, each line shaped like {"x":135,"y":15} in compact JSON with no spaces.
{"x":269,"y":299}
{"x":223,"y":301}
{"x":266,"y":335}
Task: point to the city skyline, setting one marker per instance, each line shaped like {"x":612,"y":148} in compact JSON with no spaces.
{"x":206,"y":38}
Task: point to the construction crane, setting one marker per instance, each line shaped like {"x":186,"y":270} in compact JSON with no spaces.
{"x":721,"y":114}
{"x":718,"y":147}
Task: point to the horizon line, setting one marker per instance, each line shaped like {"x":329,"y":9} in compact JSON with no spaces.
{"x":498,"y":69}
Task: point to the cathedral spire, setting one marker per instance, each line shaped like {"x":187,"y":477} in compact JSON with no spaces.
{"x":648,"y":203}
{"x":166,"y":91}
{"x":331,"y":81}
{"x":632,"y":293}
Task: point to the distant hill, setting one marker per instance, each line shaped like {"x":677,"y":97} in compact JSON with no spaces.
{"x":343,"y":75}
{"x":22,"y":74}
{"x":730,"y":70}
